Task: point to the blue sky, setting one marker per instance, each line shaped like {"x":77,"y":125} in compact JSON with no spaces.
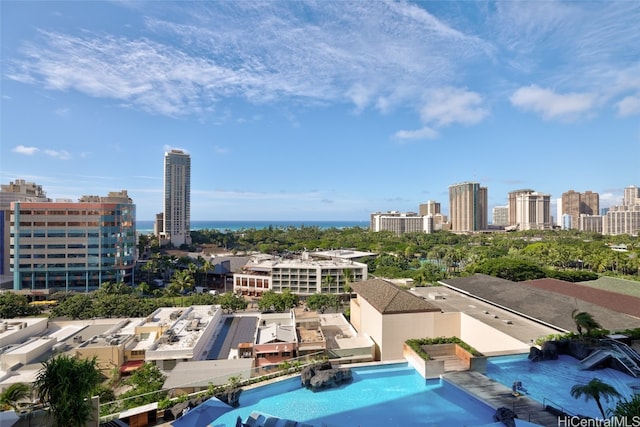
{"x":320,"y":110}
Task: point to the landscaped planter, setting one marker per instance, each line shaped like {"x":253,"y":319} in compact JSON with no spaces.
{"x":434,"y":368}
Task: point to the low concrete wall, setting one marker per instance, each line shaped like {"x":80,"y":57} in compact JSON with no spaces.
{"x":429,"y":369}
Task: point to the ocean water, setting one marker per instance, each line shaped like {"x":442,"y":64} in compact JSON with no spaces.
{"x":146,"y":227}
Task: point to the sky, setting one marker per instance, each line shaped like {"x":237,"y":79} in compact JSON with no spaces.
{"x":320,"y":110}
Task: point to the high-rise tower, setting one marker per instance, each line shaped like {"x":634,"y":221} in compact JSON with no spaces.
{"x":468,"y":207}
{"x":177,"y":197}
{"x":631,"y":196}
{"x":575,"y":204}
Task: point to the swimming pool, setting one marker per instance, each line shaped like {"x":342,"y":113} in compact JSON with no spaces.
{"x":382,"y":395}
{"x":550,"y":381}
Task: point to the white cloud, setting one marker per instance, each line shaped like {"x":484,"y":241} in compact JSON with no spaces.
{"x":414,"y":135}
{"x":552,"y":105}
{"x":58,"y":154}
{"x":453,"y":105}
{"x":335,"y":52}
{"x":220,"y":150}
{"x":22,"y":149}
{"x":629,"y":106}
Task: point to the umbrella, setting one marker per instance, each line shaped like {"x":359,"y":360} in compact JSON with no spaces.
{"x":8,"y":418}
{"x":203,"y":414}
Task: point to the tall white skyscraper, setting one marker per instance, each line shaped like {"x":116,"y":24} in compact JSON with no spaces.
{"x":177,"y":197}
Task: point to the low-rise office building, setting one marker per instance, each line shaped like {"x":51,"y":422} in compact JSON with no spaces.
{"x":72,"y":246}
{"x":186,"y":337}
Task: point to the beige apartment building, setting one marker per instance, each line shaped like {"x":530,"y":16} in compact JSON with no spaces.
{"x":533,"y":211}
{"x":468,"y":207}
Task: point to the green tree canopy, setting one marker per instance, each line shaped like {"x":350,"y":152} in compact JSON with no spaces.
{"x":516,"y":270}
{"x":14,"y":305}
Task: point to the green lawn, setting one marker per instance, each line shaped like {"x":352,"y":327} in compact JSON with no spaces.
{"x":622,"y":286}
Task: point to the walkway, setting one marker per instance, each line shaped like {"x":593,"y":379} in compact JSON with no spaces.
{"x":497,"y":395}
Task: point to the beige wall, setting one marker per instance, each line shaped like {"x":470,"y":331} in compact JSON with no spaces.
{"x":446,"y":325}
{"x":108,"y":357}
{"x":397,"y":328}
{"x":487,"y":340}
{"x":389,"y":332}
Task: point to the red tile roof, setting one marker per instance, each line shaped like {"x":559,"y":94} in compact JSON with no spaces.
{"x":612,"y":300}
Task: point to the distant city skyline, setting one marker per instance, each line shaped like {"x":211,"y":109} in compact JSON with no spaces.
{"x":321,"y":111}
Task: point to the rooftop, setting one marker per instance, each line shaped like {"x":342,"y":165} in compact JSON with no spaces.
{"x":388,"y":298}
{"x":545,"y":306}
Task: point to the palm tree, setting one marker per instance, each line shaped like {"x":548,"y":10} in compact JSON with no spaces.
{"x":65,"y":384}
{"x":13,"y":394}
{"x":584,"y":320}
{"x":182,"y":281}
{"x":627,"y":408}
{"x":595,"y":389}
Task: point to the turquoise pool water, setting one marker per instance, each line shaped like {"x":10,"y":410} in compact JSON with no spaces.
{"x":378,"y":396}
{"x":552,"y":380}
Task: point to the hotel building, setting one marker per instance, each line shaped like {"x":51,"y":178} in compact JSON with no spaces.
{"x":533,"y":211}
{"x":72,"y":246}
{"x":177,"y":198}
{"x":500,"y":216}
{"x":398,"y":222}
{"x":576,"y":204}
{"x":302,"y":276}
{"x":468,"y":208}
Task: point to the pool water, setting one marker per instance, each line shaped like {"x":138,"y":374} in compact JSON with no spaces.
{"x":383,"y":395}
{"x":550,"y":381}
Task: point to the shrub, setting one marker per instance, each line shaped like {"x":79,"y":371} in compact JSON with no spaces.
{"x":416,"y":345}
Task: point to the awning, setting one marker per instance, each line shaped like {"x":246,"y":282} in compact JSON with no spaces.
{"x":130,"y":366}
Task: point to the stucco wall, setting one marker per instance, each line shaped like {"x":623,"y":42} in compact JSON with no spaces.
{"x":446,"y":325}
{"x":397,"y":328}
{"x":487,"y":340}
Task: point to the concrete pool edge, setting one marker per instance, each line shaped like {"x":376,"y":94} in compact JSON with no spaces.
{"x":495,"y":395}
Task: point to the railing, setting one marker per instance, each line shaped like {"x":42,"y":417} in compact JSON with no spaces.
{"x":257,"y":374}
{"x":558,"y":410}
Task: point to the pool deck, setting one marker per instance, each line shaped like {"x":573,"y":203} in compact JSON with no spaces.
{"x":497,"y":395}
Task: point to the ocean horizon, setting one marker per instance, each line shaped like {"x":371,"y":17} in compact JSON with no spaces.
{"x":146,"y":227}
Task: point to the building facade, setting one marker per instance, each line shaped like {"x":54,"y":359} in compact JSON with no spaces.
{"x":301,"y":276}
{"x":631,"y":196}
{"x":533,"y":211}
{"x":177,"y":198}
{"x":468,"y":207}
{"x":397,"y":222}
{"x":500,"y":216}
{"x":576,"y":204}
{"x":16,"y":191}
{"x":622,"y":220}
{"x":429,"y":208}
{"x":512,"y":204}
{"x":72,"y":246}
{"x":591,"y":223}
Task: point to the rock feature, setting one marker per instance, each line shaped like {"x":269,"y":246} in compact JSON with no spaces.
{"x":551,"y":349}
{"x":505,"y":416}
{"x":231,"y":396}
{"x":323,"y":375}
